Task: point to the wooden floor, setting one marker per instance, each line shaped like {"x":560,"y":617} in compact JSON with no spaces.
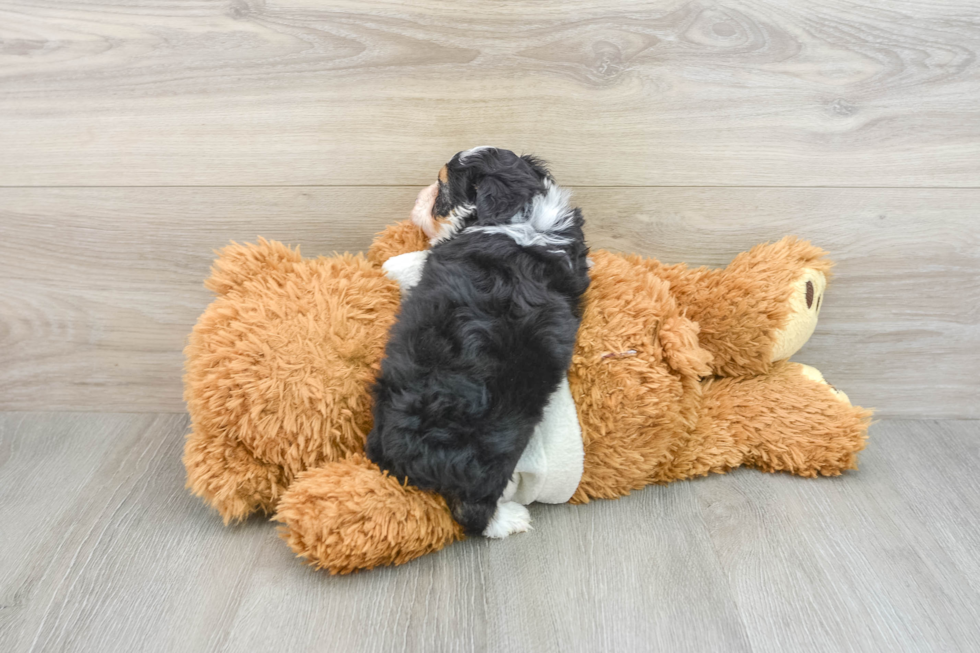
{"x":136,"y":137}
{"x":103,"y":550}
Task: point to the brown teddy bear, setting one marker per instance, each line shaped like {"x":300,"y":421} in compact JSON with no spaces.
{"x":677,"y":373}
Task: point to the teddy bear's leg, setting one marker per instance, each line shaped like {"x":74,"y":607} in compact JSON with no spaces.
{"x":228,"y":477}
{"x":760,"y":309}
{"x":787,"y":420}
{"x":349,"y":515}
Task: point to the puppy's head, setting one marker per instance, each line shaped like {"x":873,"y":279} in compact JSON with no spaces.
{"x":484,"y":186}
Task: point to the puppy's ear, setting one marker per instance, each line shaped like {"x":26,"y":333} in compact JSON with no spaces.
{"x":539,"y":166}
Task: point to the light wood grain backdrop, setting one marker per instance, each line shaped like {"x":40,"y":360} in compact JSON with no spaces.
{"x":137,"y":137}
{"x":879,"y":92}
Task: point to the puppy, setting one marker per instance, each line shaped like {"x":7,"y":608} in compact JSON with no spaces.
{"x":486,"y":335}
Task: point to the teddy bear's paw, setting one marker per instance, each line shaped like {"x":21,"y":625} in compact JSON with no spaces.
{"x":804,"y":307}
{"x":509,"y":518}
{"x":814,"y":374}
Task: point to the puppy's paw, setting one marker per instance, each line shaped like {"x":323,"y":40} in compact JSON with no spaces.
{"x":406,"y":269}
{"x":509,"y":518}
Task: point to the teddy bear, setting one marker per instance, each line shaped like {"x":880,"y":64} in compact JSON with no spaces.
{"x":677,"y":373}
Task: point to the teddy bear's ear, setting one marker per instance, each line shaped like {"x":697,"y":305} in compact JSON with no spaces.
{"x":348,"y":515}
{"x":236,"y":264}
{"x":399,"y":238}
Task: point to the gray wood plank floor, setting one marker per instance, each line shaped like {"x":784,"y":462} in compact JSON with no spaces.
{"x":103,"y":549}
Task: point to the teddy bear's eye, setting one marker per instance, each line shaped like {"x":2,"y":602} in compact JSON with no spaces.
{"x":809,"y":294}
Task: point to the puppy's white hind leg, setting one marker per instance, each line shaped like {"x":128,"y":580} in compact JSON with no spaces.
{"x":509,"y":518}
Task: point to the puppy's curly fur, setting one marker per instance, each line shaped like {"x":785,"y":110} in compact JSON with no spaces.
{"x":485,"y":337}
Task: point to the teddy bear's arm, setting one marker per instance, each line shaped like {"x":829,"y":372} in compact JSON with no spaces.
{"x":758,"y":310}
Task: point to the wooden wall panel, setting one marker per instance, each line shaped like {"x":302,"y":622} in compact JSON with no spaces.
{"x":99,"y":287}
{"x":677,"y":92}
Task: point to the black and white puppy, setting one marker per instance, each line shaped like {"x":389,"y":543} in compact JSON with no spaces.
{"x":485,"y":337}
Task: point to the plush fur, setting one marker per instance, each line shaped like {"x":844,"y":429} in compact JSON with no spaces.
{"x":486,"y":335}
{"x":672,"y":376}
{"x":416,"y":522}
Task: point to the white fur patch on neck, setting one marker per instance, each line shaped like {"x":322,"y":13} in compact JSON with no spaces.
{"x":541,"y":222}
